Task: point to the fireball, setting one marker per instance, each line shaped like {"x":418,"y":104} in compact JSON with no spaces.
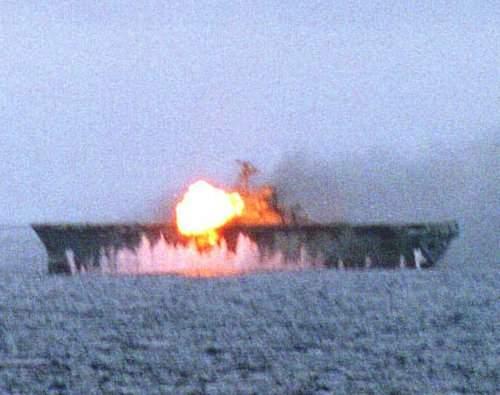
{"x":204,"y":209}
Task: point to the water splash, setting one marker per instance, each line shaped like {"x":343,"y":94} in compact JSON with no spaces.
{"x":164,"y":258}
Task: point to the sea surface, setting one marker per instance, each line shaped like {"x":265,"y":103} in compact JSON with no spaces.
{"x":311,"y":332}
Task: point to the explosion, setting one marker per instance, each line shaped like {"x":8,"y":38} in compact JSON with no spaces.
{"x":204,"y":209}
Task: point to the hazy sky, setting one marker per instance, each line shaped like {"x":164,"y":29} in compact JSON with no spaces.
{"x":106,"y":107}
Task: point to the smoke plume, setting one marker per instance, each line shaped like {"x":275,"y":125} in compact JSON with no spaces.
{"x":452,"y":182}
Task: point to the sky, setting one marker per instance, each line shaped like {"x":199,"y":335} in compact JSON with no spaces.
{"x":108,"y":109}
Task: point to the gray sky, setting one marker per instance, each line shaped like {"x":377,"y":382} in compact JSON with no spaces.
{"x":106,"y":108}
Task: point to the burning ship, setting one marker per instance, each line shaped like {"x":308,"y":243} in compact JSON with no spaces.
{"x":218,"y":232}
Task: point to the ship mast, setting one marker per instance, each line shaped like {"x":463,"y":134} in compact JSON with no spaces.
{"x":247,"y":170}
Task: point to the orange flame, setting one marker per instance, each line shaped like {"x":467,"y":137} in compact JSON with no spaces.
{"x":205,"y":208}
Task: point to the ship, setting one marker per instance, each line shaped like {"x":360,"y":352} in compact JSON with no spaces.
{"x":267,"y":223}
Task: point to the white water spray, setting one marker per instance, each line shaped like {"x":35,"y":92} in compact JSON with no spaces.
{"x":164,"y":258}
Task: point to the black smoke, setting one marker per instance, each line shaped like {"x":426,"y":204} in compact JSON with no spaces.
{"x":459,"y":181}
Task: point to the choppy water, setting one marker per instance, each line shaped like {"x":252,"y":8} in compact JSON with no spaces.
{"x":317,"y":331}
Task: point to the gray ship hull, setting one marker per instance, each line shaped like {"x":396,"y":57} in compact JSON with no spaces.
{"x":335,"y":245}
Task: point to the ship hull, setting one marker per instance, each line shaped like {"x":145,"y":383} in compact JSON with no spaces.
{"x":334,"y":245}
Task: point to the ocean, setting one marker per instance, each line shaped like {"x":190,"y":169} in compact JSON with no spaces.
{"x":315,"y":331}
